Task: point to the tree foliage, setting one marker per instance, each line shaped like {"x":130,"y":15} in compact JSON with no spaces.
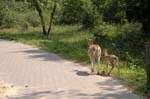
{"x":72,"y":11}
{"x":88,"y":13}
{"x":111,"y":10}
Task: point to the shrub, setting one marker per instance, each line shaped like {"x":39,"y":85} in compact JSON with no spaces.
{"x":24,"y":26}
{"x":33,"y":19}
{"x":131,"y":28}
{"x":88,"y":20}
{"x":2,"y":12}
{"x":9,"y":20}
{"x":105,"y":29}
{"x":125,"y":41}
{"x":91,"y":17}
{"x":72,"y":12}
{"x":131,"y":40}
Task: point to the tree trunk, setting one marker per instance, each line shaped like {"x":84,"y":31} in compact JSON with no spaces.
{"x":146,"y":16}
{"x":148,"y":64}
{"x":51,"y":18}
{"x":41,"y":16}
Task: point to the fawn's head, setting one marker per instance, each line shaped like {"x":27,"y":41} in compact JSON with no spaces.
{"x":105,"y":51}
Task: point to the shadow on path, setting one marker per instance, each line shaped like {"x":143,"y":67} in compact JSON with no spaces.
{"x":41,"y":54}
{"x":81,"y":73}
{"x":73,"y":94}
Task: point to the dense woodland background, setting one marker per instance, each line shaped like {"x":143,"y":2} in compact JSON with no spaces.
{"x":122,"y":26}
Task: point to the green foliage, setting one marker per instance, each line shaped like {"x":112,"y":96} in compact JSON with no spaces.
{"x":111,"y":10}
{"x":133,"y":39}
{"x":72,"y":12}
{"x":131,"y":28}
{"x":105,"y":29}
{"x":33,"y":19}
{"x":9,"y":20}
{"x":13,"y":14}
{"x":91,"y":17}
{"x":126,"y":40}
{"x":2,"y":8}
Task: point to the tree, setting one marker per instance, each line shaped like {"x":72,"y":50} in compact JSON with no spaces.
{"x":51,"y":18}
{"x":112,"y":11}
{"x":148,"y":64}
{"x":138,"y":10}
{"x":39,"y":10}
{"x":91,"y":17}
{"x":146,"y":15}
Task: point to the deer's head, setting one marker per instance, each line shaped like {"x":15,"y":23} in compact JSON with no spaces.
{"x":90,"y":42}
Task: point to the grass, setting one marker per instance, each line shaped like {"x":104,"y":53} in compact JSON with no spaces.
{"x":132,"y":77}
{"x":71,"y":43}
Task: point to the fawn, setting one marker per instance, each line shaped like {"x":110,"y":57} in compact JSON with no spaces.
{"x":110,"y":59}
{"x":94,"y":52}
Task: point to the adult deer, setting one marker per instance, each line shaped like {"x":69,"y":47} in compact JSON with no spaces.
{"x":94,"y":52}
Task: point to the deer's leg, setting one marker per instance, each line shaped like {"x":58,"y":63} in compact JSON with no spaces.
{"x":111,"y":69}
{"x":92,"y":64}
{"x":107,"y":68}
{"x":98,"y":60}
{"x":98,"y":63}
{"x":118,"y":68}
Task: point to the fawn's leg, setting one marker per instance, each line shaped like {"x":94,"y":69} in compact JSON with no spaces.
{"x":98,"y":63}
{"x":111,"y":69}
{"x":107,"y":68}
{"x":118,"y":69}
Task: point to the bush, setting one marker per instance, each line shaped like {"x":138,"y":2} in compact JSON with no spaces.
{"x":88,"y":21}
{"x":131,"y":40}
{"x":131,"y":28}
{"x":105,"y":29}
{"x":10,"y":20}
{"x":2,"y":12}
{"x":125,"y":41}
{"x":33,"y":19}
{"x":91,"y":17}
{"x":72,"y":12}
{"x":24,"y":26}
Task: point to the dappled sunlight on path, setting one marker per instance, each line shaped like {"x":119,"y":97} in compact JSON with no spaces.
{"x":8,"y":90}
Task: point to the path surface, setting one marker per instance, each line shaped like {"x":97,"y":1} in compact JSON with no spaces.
{"x":30,"y":73}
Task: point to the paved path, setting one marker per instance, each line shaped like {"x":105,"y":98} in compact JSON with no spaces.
{"x":30,"y":73}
